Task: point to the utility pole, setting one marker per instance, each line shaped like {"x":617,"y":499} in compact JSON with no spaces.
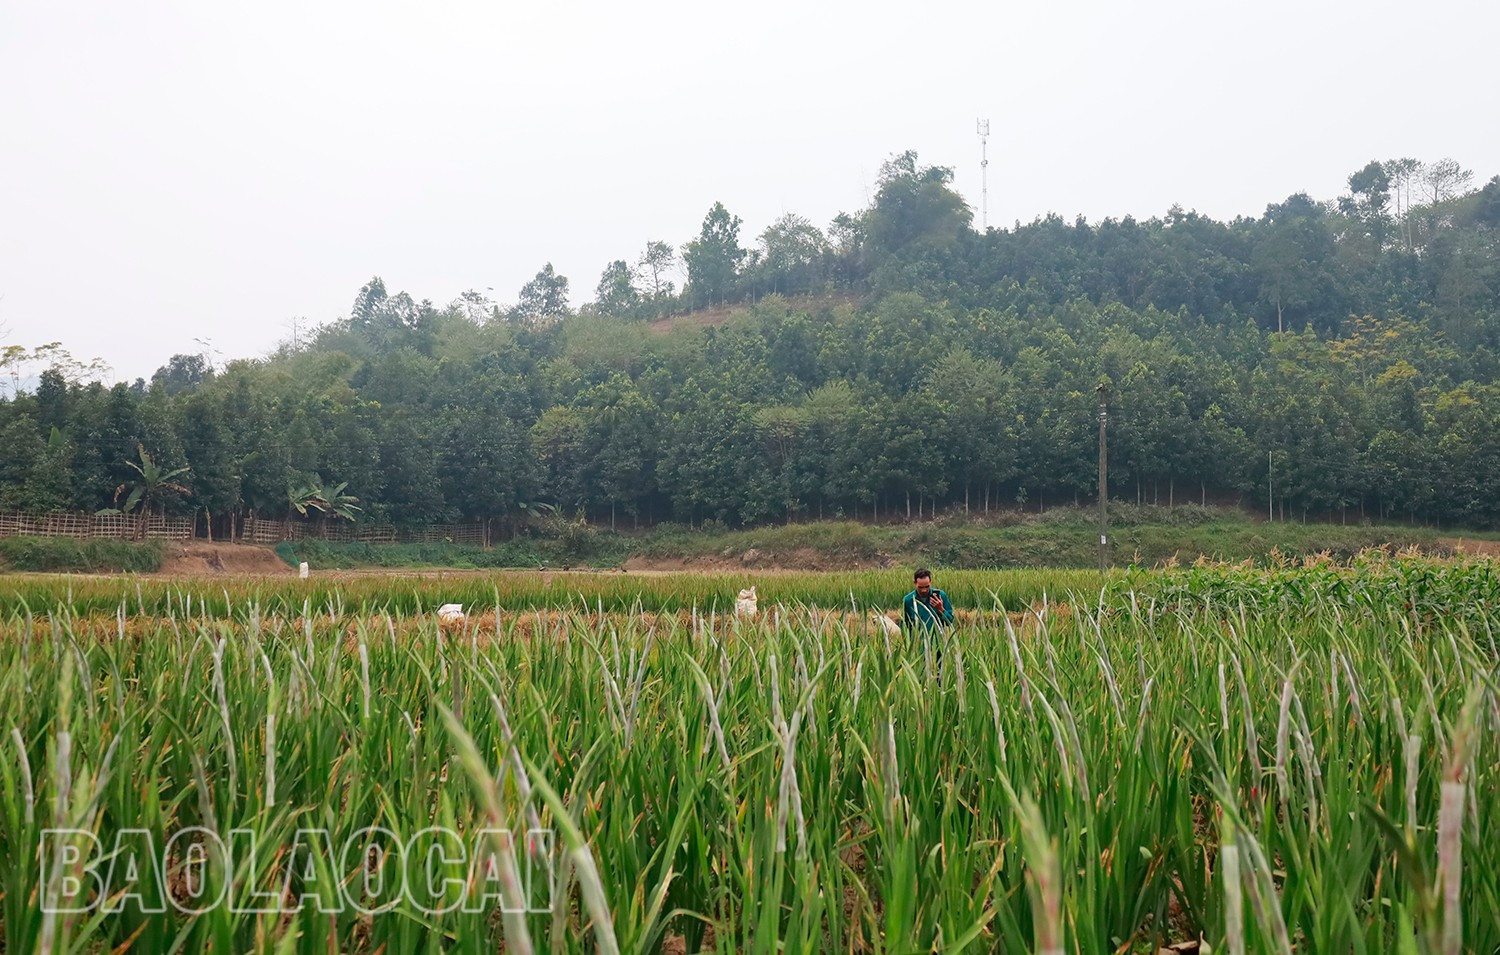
{"x":1103,"y":393}
{"x":1270,"y":495}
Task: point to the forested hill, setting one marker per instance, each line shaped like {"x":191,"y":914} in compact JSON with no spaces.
{"x":1343,"y":350}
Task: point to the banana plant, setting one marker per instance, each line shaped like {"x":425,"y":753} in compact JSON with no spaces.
{"x":304,"y":499}
{"x":150,"y":488}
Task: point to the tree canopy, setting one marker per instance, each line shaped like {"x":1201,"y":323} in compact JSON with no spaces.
{"x":1338,"y":357}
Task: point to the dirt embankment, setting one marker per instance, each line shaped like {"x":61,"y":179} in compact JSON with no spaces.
{"x":1472,"y":547}
{"x":200,"y":558}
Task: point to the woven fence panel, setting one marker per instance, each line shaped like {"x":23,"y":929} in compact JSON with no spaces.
{"x":81,"y":526}
{"x":271,"y":532}
{"x":254,"y":530}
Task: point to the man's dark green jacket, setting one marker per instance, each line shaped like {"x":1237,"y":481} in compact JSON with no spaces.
{"x":914,"y":612}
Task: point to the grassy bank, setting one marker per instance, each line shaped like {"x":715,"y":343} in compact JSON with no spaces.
{"x":66,"y":555}
{"x":589,"y":549}
{"x":1059,"y":538}
{"x":1063,"y":537}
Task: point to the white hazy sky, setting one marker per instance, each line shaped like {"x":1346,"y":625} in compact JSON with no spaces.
{"x":172,"y":171}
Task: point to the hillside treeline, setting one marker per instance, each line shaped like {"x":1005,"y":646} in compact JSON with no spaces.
{"x":1337,"y":358}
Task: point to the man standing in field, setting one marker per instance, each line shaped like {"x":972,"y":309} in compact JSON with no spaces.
{"x":926,"y":607}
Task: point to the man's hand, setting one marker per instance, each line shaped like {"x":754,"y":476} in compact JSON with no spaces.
{"x":937,"y":602}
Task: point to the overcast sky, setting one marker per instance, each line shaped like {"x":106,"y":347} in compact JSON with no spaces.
{"x":173,"y":171}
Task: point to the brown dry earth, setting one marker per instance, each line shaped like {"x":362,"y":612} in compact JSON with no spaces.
{"x":199,"y":558}
{"x":1472,"y":547}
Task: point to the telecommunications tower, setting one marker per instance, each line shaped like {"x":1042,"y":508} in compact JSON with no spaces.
{"x":982,"y":126}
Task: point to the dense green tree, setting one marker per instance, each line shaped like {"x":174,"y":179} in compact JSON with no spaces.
{"x":1342,"y":356}
{"x":974,"y":419}
{"x":795,"y":252}
{"x":616,"y":295}
{"x":1487,"y":206}
{"x":915,"y":209}
{"x":916,"y":230}
{"x":369,"y":300}
{"x":1399,"y":471}
{"x":488,"y":466}
{"x":711,"y":465}
{"x":620,"y":442}
{"x":33,"y":469}
{"x":543,"y":298}
{"x":713,"y":259}
{"x":559,"y":439}
{"x":846,"y":237}
{"x":401,"y":322}
{"x":260,"y":455}
{"x":413,"y":492}
{"x":151,"y":487}
{"x":1291,"y":258}
{"x":1369,"y":200}
{"x":207,"y":446}
{"x":52,"y":405}
{"x":103,"y":430}
{"x":183,"y":373}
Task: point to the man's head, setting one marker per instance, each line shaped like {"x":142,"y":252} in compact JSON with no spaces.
{"x":923,"y":579}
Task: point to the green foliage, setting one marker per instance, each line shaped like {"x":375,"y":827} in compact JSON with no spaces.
{"x":326,"y":591}
{"x":713,"y":258}
{"x":153,"y":484}
{"x":916,"y":212}
{"x":1112,"y":773}
{"x":327,"y":555}
{"x":1427,"y":590}
{"x":616,"y":294}
{"x":570,"y":545}
{"x":655,"y":262}
{"x":544,"y":297}
{"x":183,"y":373}
{"x":94,"y":556}
{"x":1325,"y":361}
{"x":794,"y":254}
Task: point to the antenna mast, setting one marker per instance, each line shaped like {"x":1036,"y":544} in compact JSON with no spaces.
{"x":982,"y":126}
